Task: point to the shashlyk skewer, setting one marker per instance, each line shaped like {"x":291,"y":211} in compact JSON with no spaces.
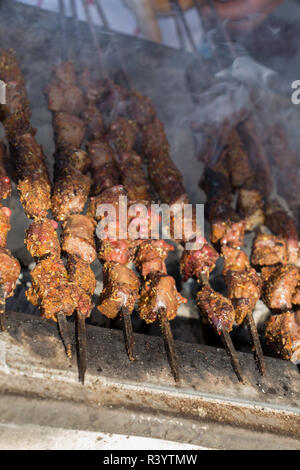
{"x":32,"y":174}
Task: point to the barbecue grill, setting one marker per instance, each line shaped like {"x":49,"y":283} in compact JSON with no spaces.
{"x":210,"y":408}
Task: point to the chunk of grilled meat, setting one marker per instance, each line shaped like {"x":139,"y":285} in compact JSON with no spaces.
{"x":215,"y":184}
{"x":154,"y":141}
{"x":33,"y":178}
{"x":159,"y":291}
{"x":237,"y":161}
{"x":198,"y":263}
{"x":5,"y":183}
{"x":110,"y":195}
{"x":9,"y":272}
{"x":243,"y":283}
{"x":83,"y":277}
{"x":141,"y":109}
{"x":4,"y":225}
{"x":250,"y":206}
{"x":71,"y":158}
{"x":151,"y":256}
{"x":70,"y":193}
{"x":65,"y":98}
{"x":65,"y":73}
{"x":121,"y":289}
{"x":216,"y":309}
{"x":283,"y":335}
{"x":94,"y":121}
{"x":69,"y":130}
{"x":51,"y":291}
{"x":133,"y":177}
{"x":278,"y":220}
{"x":269,"y":250}
{"x":122,"y":134}
{"x":103,"y":166}
{"x":227,"y":228}
{"x":278,"y":290}
{"x":78,"y":237}
{"x":41,"y":239}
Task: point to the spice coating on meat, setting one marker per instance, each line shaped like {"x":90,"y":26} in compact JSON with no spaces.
{"x":159,"y":291}
{"x":118,"y":251}
{"x":9,"y":272}
{"x":268,"y":250}
{"x":151,"y":256}
{"x":238,"y":164}
{"x":226,"y":226}
{"x":121,"y":289}
{"x":216,"y":309}
{"x":280,"y":287}
{"x":283,"y":335}
{"x":133,"y":177}
{"x":122,"y":134}
{"x":71,"y":158}
{"x":66,"y":98}
{"x":5,"y":183}
{"x":141,"y":109}
{"x":51,"y":290}
{"x":197,"y":263}
{"x":78,"y":237}
{"x":41,"y":239}
{"x":94,"y":121}
{"x":70,"y":193}
{"x":103,"y":166}
{"x":69,"y":130}
{"x":250,"y":205}
{"x":82,"y":276}
{"x":282,"y":224}
{"x":4,"y":225}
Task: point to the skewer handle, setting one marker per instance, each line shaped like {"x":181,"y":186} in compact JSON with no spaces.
{"x":169,"y":343}
{"x":257,"y":349}
{"x":81,"y":345}
{"x":2,"y":308}
{"x":64,"y":332}
{"x":128,"y":333}
{"x":227,"y":341}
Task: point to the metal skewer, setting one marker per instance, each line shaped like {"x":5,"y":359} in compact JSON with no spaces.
{"x":63,"y":328}
{"x":2,"y":308}
{"x":128,"y":333}
{"x":166,"y":331}
{"x":177,"y":8}
{"x":257,"y":349}
{"x":81,"y":345}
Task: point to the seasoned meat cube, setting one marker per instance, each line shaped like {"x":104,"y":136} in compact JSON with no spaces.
{"x":94,"y":121}
{"x":151,"y":256}
{"x":5,"y":226}
{"x":65,"y":72}
{"x":78,"y":237}
{"x":296,"y":296}
{"x":118,"y":251}
{"x":122,"y":134}
{"x":41,"y":238}
{"x":9,"y":271}
{"x":268,"y":250}
{"x":69,"y":130}
{"x":109,"y":196}
{"x":250,"y":206}
{"x":154,"y":140}
{"x":66,"y":98}
{"x":70,"y":193}
{"x":216,"y":185}
{"x":159,"y":291}
{"x":51,"y":290}
{"x":238,"y":163}
{"x":82,"y":276}
{"x":70,"y":158}
{"x":114,"y":99}
{"x":216,"y":309}
{"x":226,"y":226}
{"x":35,"y":196}
{"x":283,"y":225}
{"x":280,"y":287}
{"x":283,"y":335}
{"x":121,"y":289}
{"x":234,"y":260}
{"x":141,"y":109}
{"x":93,"y":90}
{"x":5,"y":184}
{"x":195,"y":263}
{"x":133,"y":177}
{"x":104,"y":169}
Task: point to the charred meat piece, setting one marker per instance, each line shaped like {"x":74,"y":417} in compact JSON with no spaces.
{"x":78,"y":237}
{"x":269,"y":250}
{"x":70,"y":193}
{"x":93,"y":90}
{"x":118,"y":251}
{"x":94,"y":121}
{"x":216,"y":309}
{"x":77,"y":159}
{"x":32,"y":174}
{"x":82,"y":276}
{"x":154,"y":140}
{"x":114,"y":99}
{"x":159,"y":291}
{"x":133,"y":177}
{"x":296,"y":296}
{"x":121,"y":289}
{"x":41,"y":239}
{"x":5,"y":226}
{"x":69,"y":130}
{"x":238,"y":164}
{"x":5,"y":183}
{"x":64,"y":97}
{"x":103,"y":165}
{"x":283,"y":335}
{"x":151,"y":256}
{"x":216,"y":185}
{"x":250,"y":206}
{"x":108,"y":196}
{"x":122,"y":134}
{"x":51,"y":290}
{"x":9,"y":271}
{"x":197,"y":263}
{"x":283,"y":225}
{"x":141,"y":109}
{"x":234,"y":260}
{"x":279,"y":289}
{"x":226,"y":226}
